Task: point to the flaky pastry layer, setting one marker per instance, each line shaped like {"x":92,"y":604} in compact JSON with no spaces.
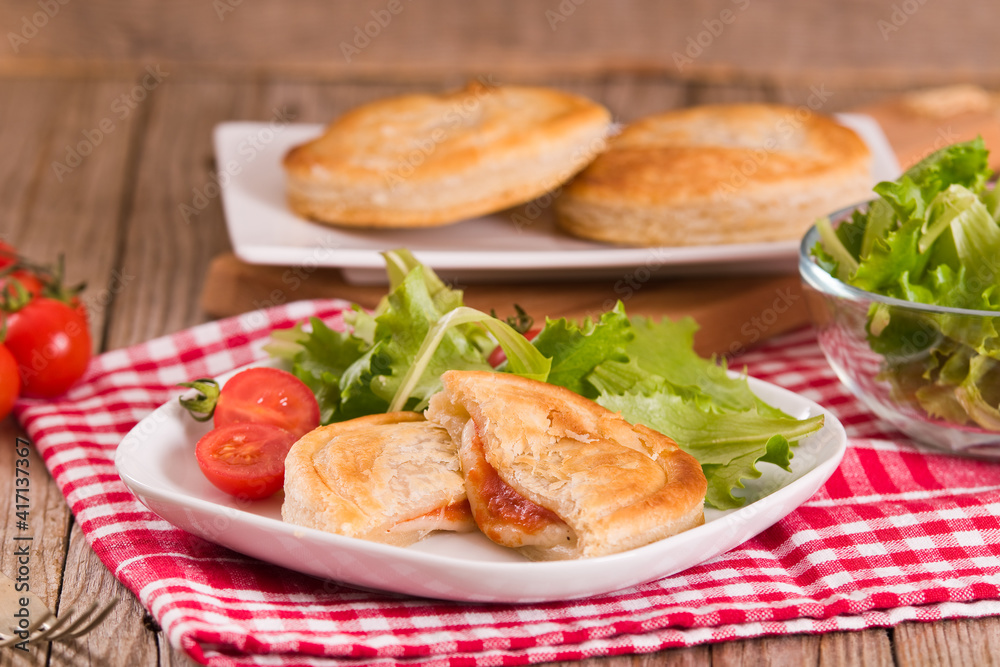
{"x":426,"y":160}
{"x":391,"y":478}
{"x":557,"y":476}
{"x":717,"y":174}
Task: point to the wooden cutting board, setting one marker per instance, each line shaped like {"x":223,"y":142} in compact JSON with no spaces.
{"x":733,"y":312}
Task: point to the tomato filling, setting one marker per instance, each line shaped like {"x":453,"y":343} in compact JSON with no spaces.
{"x":504,"y":504}
{"x":452,"y":513}
{"x":456,"y":516}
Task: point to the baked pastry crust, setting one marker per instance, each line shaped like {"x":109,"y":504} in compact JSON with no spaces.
{"x":425,"y":160}
{"x":557,"y":476}
{"x":391,"y":478}
{"x":717,"y":174}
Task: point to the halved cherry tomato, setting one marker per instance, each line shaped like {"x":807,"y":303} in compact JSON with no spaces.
{"x":51,"y":342}
{"x":10,"y":382}
{"x":498,"y":356}
{"x":267,"y":396}
{"x":245,"y":460}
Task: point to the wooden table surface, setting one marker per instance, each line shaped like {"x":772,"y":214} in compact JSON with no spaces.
{"x":106,"y":114}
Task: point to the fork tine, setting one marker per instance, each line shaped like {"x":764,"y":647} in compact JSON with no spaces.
{"x":89,"y":624}
{"x":65,"y":625}
{"x":68,"y":615}
{"x":56,"y":624}
{"x":40,"y":621}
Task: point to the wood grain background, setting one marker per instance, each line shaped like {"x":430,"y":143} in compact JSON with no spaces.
{"x":70,"y":67}
{"x":863,"y":42}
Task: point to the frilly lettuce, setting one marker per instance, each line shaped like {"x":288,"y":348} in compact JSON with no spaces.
{"x":931,"y":237}
{"x":392,"y":359}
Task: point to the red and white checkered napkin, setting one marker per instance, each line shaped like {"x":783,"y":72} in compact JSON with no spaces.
{"x":895,"y":535}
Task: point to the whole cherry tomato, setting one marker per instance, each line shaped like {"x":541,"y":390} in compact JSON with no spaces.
{"x":18,"y":284}
{"x":10,"y":382}
{"x":245,"y":460}
{"x":50,"y":341}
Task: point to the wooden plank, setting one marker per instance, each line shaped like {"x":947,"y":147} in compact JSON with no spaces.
{"x":166,"y":252}
{"x":957,"y":642}
{"x":121,"y":639}
{"x":170,"y":657}
{"x":767,"y":652}
{"x":59,"y":204}
{"x":48,"y":520}
{"x":706,"y":93}
{"x":168,"y":248}
{"x":872,"y":44}
{"x":733,"y":314}
{"x":821,"y":96}
{"x":871,"y":648}
{"x":914,"y":131}
{"x":631,"y":97}
{"x":837,"y":649}
{"x":696,"y":656}
{"x":58,"y":200}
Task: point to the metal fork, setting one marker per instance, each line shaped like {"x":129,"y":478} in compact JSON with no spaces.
{"x":40,"y":622}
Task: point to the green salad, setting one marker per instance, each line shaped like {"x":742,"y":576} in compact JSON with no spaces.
{"x":392,"y":359}
{"x":931,"y":237}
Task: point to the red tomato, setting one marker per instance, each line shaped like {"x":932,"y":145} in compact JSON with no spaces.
{"x":51,"y":343}
{"x":10,"y":383}
{"x":8,"y":254}
{"x":245,"y":460}
{"x":267,"y":396}
{"x":497,"y":356}
{"x":29,"y":281}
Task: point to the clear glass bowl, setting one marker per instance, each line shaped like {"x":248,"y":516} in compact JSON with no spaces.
{"x":895,"y":386}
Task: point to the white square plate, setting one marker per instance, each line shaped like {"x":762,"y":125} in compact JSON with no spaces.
{"x":156,"y":461}
{"x":263,"y":230}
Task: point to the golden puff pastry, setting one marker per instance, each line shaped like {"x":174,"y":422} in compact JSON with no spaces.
{"x":424,"y":160}
{"x":557,"y":476}
{"x":717,"y":174}
{"x":391,"y":478}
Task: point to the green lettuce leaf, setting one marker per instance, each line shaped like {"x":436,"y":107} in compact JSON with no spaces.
{"x":576,"y":349}
{"x":410,"y":311}
{"x":712,"y":415}
{"x":932,"y":237}
{"x":728,"y":444}
{"x":392,"y":358}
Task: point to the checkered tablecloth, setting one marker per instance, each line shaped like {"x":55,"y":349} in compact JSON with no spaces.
{"x":896,"y":534}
